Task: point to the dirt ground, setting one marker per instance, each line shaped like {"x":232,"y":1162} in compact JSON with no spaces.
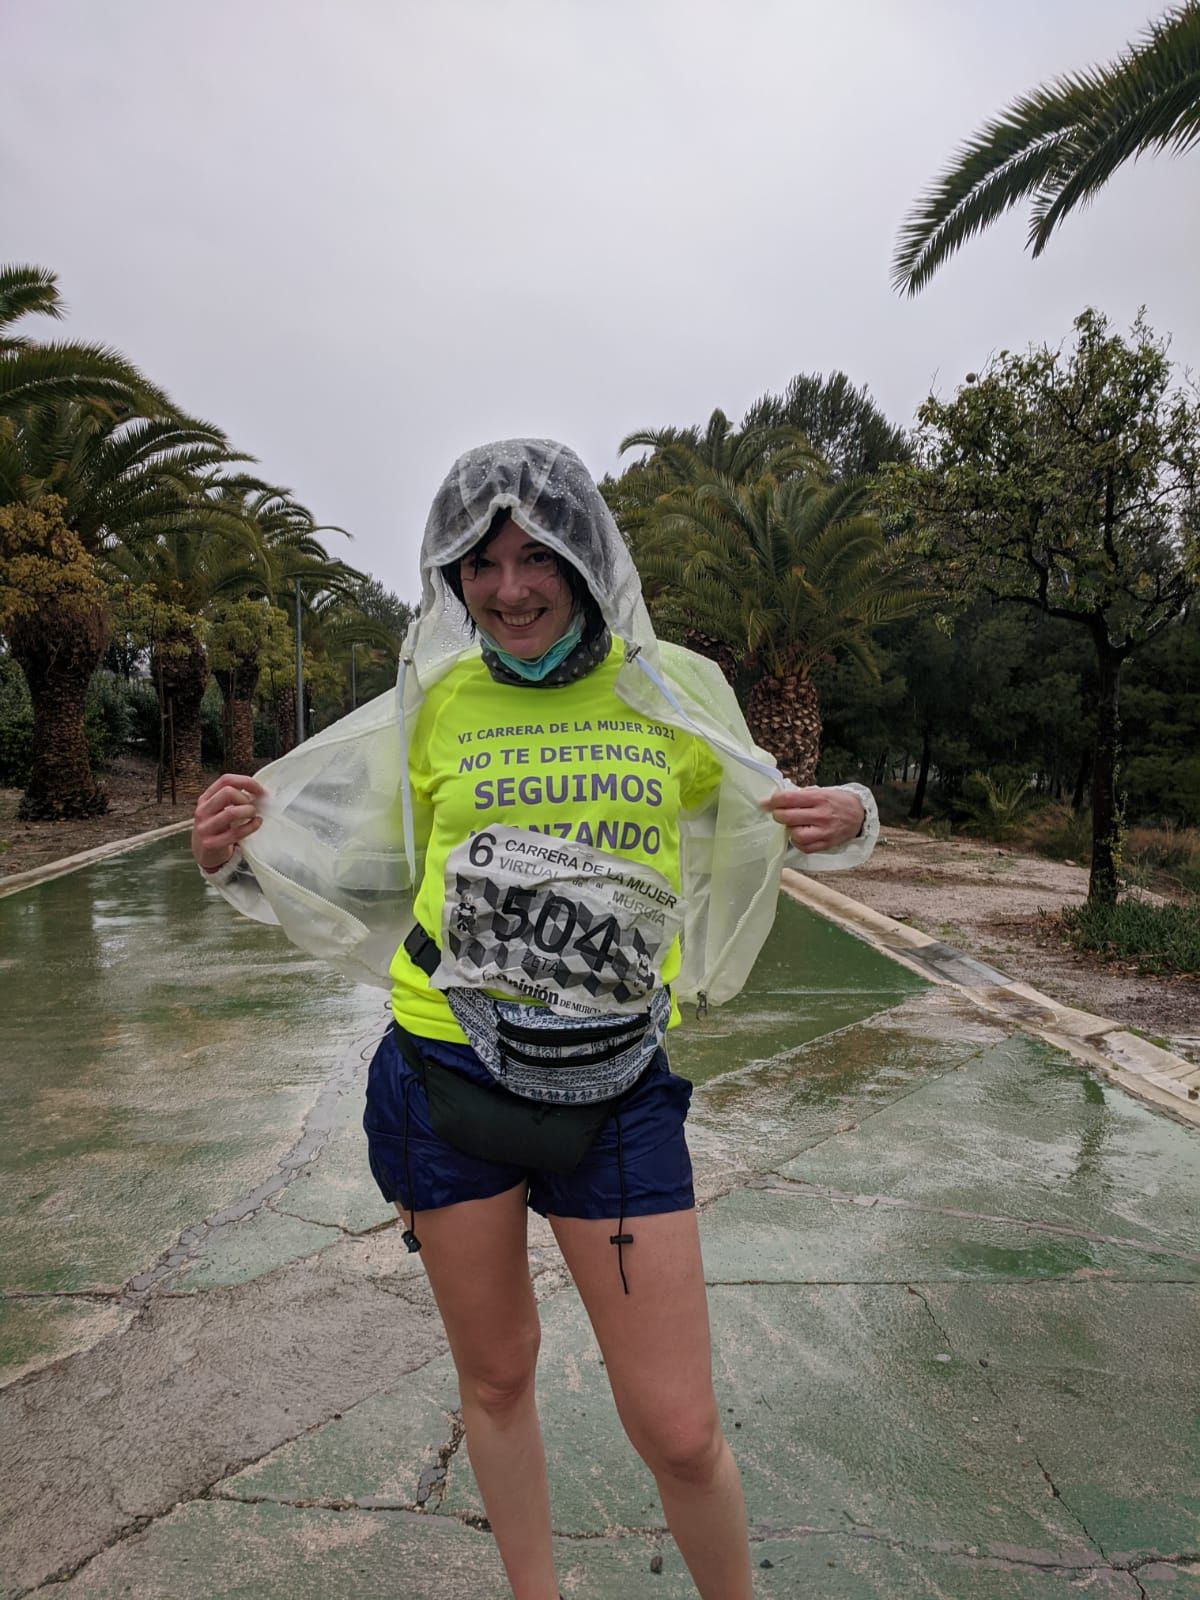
{"x":130,"y":784}
{"x":1002,"y":908}
{"x":980,"y":898}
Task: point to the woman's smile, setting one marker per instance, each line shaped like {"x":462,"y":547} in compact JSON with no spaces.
{"x":516,"y":593}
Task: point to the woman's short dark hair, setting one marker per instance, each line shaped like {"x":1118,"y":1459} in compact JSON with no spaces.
{"x":581,"y":595}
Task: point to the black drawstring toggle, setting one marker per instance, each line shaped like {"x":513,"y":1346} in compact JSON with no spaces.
{"x":621,"y":1238}
{"x":411,"y":1243}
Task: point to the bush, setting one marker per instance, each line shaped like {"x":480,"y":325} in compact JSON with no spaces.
{"x":1166,"y":848}
{"x":1061,"y":833}
{"x":995,"y":805}
{"x":107,"y":719}
{"x":145,"y":727}
{"x":16,"y":726}
{"x":1160,"y":939}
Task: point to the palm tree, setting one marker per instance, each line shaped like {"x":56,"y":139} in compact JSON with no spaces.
{"x":32,"y":373}
{"x":240,"y":539}
{"x":118,"y":480}
{"x":784,"y":575}
{"x":1060,"y":144}
{"x":683,"y":458}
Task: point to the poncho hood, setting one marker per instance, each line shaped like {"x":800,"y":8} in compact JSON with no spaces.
{"x":552,"y":497}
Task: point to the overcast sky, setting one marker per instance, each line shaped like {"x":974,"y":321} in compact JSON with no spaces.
{"x":363,"y":235}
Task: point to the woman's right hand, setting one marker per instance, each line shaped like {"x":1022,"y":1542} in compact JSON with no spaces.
{"x":226,"y":813}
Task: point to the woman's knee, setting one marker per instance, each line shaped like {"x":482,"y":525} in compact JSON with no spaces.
{"x":499,"y":1379}
{"x":685,"y":1445}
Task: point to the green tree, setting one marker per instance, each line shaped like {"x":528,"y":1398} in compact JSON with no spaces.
{"x":844,"y":427}
{"x":1058,"y":145}
{"x":53,"y":613}
{"x":122,"y":482}
{"x":1066,"y":482}
{"x":785,"y":575}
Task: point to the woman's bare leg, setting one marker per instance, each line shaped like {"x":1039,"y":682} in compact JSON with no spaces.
{"x":657,"y":1352}
{"x":478,"y":1266}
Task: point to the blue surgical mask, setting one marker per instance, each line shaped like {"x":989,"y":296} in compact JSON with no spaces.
{"x":535,"y":671}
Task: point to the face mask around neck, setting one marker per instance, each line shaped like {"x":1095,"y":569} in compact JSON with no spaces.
{"x":535,"y":671}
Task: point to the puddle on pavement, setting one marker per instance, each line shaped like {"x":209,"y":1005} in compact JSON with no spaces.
{"x":811,"y":979}
{"x":159,"y":1055}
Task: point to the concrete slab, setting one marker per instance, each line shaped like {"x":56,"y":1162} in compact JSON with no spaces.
{"x":250,"y":1248}
{"x":764,"y":1237}
{"x":1103,"y":1383}
{"x":277,"y":1553}
{"x":387,"y":1451}
{"x":339,"y":1190}
{"x":36,"y":1329}
{"x":1021,"y":1132}
{"x":840,"y":1415}
{"x":759,"y":1117}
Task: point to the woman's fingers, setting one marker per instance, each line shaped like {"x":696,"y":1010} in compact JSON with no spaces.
{"x":226,"y":813}
{"x":816,"y":818}
{"x":237,"y":782}
{"x":227,"y":792}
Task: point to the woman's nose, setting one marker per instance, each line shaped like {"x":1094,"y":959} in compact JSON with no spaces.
{"x":513,"y":584}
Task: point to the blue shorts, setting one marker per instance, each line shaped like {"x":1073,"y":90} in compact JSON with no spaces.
{"x":655,"y":1168}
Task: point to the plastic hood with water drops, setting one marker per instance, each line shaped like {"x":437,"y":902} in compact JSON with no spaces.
{"x":342,"y":843}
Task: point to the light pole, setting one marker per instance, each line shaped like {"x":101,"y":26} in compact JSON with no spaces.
{"x":353,"y":674}
{"x":299,"y":671}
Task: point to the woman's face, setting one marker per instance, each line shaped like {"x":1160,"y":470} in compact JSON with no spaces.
{"x":516,"y":594}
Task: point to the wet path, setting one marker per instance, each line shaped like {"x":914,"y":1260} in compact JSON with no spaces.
{"x":955,"y":1287}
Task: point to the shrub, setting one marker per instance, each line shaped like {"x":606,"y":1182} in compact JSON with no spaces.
{"x":16,"y":726}
{"x":1165,"y":848}
{"x":106,"y":719}
{"x":1160,"y":939}
{"x":996,"y":806}
{"x":1060,"y":832}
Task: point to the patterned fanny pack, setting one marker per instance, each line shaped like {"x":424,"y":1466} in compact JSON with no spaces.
{"x":533,"y":1052}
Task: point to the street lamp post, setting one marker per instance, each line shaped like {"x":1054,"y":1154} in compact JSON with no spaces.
{"x":353,"y":675}
{"x":299,"y":672}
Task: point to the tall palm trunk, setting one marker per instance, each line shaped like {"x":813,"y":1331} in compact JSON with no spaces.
{"x":180,"y":670}
{"x":237,"y":685}
{"x":704,"y":644}
{"x":784,"y":715}
{"x":283,"y":705}
{"x":58,"y":648}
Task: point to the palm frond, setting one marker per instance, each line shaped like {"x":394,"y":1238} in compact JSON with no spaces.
{"x":1059,"y":145}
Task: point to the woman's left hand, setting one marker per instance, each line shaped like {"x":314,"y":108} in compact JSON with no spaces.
{"x":817,"y":819}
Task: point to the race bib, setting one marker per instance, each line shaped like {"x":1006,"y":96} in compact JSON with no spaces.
{"x":530,"y":915}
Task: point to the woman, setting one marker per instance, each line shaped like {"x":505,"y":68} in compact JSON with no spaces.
{"x":574,"y":795}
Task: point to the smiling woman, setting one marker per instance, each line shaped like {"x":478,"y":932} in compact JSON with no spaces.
{"x":568,"y":889}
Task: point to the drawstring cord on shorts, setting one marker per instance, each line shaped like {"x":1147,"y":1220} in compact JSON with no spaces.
{"x":410,"y":1233}
{"x":621,"y":1238}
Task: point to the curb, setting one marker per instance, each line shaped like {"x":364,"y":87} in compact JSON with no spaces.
{"x":1142,"y":1069}
{"x":85,"y":858}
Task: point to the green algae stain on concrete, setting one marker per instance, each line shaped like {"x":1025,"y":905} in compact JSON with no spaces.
{"x":1102,"y":1381}
{"x":811,"y":979}
{"x":159,"y":1056}
{"x":1022,"y":1131}
{"x":794,"y":1237}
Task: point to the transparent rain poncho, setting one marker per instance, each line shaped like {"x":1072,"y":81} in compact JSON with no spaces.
{"x":342,"y":842}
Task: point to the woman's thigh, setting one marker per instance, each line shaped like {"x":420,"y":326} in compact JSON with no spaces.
{"x":476,"y":1257}
{"x":655,"y":1340}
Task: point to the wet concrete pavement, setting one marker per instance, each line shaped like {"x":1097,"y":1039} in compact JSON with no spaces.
{"x":955,"y":1287}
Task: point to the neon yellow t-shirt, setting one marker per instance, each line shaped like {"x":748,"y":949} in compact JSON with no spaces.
{"x":572,"y":761}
